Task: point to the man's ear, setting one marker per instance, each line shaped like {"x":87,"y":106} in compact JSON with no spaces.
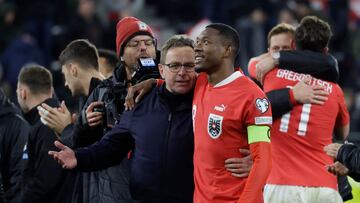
{"x":73,"y":69}
{"x":161,"y":70}
{"x":293,"y":45}
{"x":228,"y":51}
{"x":23,"y":93}
{"x":326,"y":50}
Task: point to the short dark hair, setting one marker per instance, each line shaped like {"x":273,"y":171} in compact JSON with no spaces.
{"x":280,"y":29}
{"x":312,"y":34}
{"x":80,"y":51}
{"x":37,"y":78}
{"x":174,"y":42}
{"x":110,"y":57}
{"x":228,"y":33}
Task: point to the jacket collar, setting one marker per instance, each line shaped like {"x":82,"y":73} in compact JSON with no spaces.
{"x":33,"y":116}
{"x":175,"y":102}
{"x":93,"y":83}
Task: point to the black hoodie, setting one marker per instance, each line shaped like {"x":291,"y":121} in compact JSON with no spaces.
{"x":14,"y":131}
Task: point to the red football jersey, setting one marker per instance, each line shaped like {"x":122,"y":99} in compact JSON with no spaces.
{"x":221,"y":115}
{"x":298,"y":137}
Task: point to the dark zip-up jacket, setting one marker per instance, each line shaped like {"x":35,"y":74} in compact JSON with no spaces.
{"x":14,"y":131}
{"x":159,"y":131}
{"x":44,"y":180}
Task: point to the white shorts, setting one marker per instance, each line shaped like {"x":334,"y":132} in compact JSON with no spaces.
{"x":300,"y":194}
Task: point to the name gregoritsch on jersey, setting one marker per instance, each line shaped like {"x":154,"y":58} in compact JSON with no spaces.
{"x":294,"y":76}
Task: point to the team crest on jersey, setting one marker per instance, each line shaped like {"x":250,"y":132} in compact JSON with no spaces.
{"x":214,"y":125}
{"x":262,"y":104}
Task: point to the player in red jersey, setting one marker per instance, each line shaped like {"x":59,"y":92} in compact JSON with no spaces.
{"x":298,"y":137}
{"x":229,"y":112}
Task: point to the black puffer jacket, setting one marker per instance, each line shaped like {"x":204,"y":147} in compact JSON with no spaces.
{"x":14,"y":131}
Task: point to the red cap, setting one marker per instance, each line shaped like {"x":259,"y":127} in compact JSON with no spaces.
{"x":126,"y":29}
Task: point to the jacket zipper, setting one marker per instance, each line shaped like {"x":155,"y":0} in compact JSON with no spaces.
{"x":164,"y":163}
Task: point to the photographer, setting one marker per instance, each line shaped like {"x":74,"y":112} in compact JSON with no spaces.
{"x":134,"y":41}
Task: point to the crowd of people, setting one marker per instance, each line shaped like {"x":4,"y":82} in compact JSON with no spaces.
{"x":200,"y":129}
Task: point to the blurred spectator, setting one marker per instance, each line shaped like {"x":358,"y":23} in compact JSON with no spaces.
{"x":22,"y":50}
{"x":107,"y":62}
{"x":7,"y":27}
{"x":253,"y":31}
{"x":86,"y":24}
{"x":287,"y":16}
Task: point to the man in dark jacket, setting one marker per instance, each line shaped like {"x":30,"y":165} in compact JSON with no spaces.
{"x":158,"y":130}
{"x":43,"y":180}
{"x":14,"y":131}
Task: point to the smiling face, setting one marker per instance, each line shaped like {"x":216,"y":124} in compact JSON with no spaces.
{"x":209,"y":51}
{"x":181,"y":81}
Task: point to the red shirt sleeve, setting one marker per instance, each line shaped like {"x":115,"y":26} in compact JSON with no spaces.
{"x":261,"y":155}
{"x":343,"y":117}
{"x":252,"y":67}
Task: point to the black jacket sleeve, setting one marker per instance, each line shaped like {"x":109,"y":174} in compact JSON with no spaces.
{"x":111,"y":149}
{"x":322,"y":66}
{"x":349,"y":155}
{"x":67,"y":136}
{"x":15,"y":137}
{"x":280,"y":102}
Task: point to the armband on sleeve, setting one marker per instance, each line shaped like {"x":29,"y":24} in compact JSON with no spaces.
{"x":258,"y":133}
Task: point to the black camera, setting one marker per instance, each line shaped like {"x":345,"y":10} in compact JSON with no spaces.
{"x":147,"y":68}
{"x":112,"y":93}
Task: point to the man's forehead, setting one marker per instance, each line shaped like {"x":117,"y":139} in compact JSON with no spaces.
{"x":182,"y":53}
{"x":208,"y":33}
{"x":140,"y":37}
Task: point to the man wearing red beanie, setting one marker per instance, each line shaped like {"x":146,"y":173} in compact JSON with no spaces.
{"x":134,"y":40}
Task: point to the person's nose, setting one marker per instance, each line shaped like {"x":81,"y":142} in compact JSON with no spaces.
{"x":142,"y":45}
{"x":182,"y":71}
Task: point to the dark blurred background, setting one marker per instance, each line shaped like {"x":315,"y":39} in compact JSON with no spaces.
{"x":35,"y":31}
